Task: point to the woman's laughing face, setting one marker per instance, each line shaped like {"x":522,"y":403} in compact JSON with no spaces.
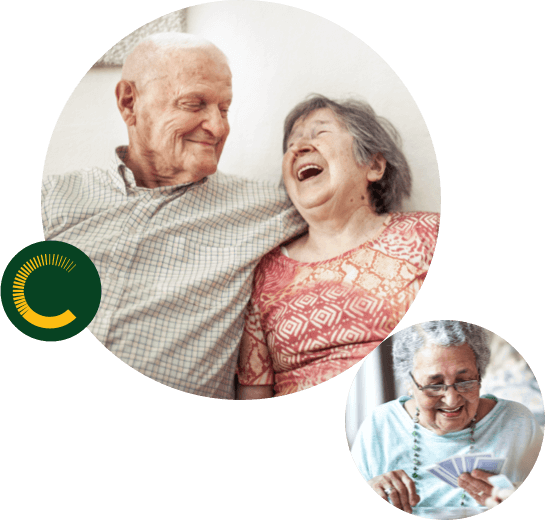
{"x":454,"y":410}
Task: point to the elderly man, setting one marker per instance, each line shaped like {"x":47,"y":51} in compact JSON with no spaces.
{"x":174,"y":241}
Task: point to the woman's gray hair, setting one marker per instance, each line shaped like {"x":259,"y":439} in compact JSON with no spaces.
{"x":407,"y":342}
{"x":372,"y":134}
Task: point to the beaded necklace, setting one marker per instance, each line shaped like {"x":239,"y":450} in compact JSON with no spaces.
{"x":416,"y":449}
{"x":417,"y":463}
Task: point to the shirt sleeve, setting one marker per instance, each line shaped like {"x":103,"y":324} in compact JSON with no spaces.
{"x":359,"y":451}
{"x":533,"y":443}
{"x":427,"y":230}
{"x":46,"y":221}
{"x":56,"y":190}
{"x":254,"y":362}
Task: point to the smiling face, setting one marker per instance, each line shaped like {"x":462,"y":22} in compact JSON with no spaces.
{"x":319,"y":166}
{"x":180,"y":124}
{"x":452,"y":411}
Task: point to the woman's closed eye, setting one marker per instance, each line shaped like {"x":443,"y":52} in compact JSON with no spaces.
{"x":442,"y":383}
{"x":291,"y":143}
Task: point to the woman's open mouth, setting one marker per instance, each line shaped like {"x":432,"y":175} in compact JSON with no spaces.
{"x":451,"y":412}
{"x":308,"y":171}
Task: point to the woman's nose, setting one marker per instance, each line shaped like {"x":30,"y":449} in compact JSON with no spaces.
{"x":302,"y":146}
{"x":451,"y":397}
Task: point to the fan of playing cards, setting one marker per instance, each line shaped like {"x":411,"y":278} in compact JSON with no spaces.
{"x":450,"y":469}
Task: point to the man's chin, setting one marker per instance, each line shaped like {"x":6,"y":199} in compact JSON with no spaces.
{"x":208,"y":170}
{"x":200,"y":173}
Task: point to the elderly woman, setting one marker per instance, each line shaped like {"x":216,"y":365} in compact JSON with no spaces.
{"x":442,"y":363}
{"x":324,"y":301}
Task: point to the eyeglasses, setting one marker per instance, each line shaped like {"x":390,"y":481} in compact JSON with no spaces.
{"x":436,"y":390}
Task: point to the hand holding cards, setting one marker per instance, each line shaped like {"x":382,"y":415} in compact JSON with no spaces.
{"x":450,"y":469}
{"x":502,"y":489}
{"x":501,"y":482}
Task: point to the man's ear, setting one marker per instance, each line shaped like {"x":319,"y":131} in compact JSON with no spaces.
{"x":377,"y":165}
{"x":125,"y":93}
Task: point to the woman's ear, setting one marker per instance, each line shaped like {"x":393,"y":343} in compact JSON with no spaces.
{"x":377,"y":165}
{"x":125,"y":93}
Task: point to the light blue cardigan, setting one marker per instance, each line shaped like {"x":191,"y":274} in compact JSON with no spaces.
{"x":384,"y":443}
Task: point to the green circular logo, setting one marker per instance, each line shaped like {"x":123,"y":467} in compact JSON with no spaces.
{"x":51,"y":290}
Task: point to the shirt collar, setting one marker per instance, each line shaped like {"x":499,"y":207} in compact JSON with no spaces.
{"x":123,"y":178}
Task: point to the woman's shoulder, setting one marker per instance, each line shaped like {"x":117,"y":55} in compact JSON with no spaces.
{"x":411,"y":236}
{"x":422,"y":221}
{"x":272,"y":273}
{"x":384,"y":413}
{"x":271,"y":263}
{"x":486,"y":405}
{"x":381,"y":416}
{"x":503,"y":409}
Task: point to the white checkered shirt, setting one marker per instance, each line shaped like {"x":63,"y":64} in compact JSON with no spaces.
{"x":175,"y":263}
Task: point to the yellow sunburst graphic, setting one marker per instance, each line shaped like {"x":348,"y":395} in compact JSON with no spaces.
{"x":44,"y":322}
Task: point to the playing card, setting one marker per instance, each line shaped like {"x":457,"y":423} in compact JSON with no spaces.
{"x":450,"y":469}
{"x":470,"y":460}
{"x":459,"y":463}
{"x":491,"y":465}
{"x":443,"y":475}
{"x":449,"y":466}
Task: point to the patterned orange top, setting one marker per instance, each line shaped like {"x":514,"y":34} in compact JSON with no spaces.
{"x":308,"y":322}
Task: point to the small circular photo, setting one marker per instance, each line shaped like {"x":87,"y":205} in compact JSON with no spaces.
{"x":445,"y":420}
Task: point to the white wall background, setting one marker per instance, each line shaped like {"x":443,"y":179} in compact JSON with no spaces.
{"x":278,"y":55}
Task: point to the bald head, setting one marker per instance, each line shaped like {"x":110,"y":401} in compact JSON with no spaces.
{"x":147,"y":60}
{"x":174,"y":96}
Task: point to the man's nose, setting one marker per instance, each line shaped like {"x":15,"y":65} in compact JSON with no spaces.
{"x":215,"y":123}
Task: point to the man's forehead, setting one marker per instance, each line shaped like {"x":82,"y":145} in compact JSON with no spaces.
{"x":200,"y":87}
{"x":196,"y":59}
{"x":194,"y":73}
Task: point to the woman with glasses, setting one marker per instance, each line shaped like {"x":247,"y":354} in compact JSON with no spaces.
{"x":443,"y":417}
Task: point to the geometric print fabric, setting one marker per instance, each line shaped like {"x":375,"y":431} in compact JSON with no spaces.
{"x":308,"y":322}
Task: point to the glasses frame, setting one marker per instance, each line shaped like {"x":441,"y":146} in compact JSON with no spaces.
{"x":445,"y":387}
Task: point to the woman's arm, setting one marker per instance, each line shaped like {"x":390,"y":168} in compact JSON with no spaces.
{"x":255,"y":371}
{"x":255,"y":392}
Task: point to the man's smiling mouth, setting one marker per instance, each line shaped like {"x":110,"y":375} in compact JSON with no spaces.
{"x":204,"y":143}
